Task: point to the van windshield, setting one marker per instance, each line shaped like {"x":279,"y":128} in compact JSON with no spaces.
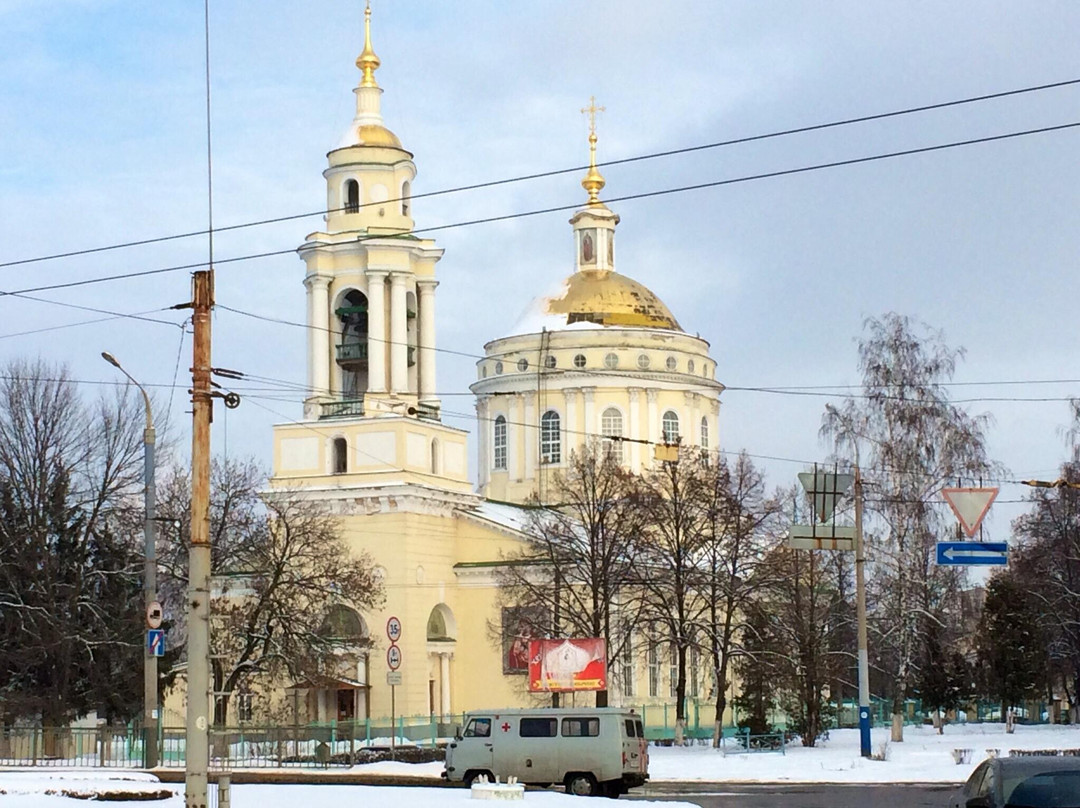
{"x":478,"y":728}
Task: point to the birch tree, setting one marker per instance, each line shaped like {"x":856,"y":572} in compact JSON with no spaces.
{"x":910,"y":442}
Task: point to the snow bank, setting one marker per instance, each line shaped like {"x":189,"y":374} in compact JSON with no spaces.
{"x":923,"y":757}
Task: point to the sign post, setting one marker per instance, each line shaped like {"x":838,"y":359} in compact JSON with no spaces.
{"x":393,"y":677}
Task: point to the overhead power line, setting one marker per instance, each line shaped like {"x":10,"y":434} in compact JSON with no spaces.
{"x":562,"y":208}
{"x":560,"y":171}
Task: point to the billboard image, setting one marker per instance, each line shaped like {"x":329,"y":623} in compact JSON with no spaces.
{"x":567,"y":665}
{"x":519,"y":625}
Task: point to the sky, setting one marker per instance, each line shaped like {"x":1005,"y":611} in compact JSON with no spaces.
{"x":103,"y":141}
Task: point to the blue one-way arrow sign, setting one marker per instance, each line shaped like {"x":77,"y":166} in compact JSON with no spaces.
{"x":972,"y":553}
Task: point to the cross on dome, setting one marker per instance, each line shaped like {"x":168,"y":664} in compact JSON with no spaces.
{"x":594,"y":180}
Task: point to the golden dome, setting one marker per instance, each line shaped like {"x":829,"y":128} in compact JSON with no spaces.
{"x":607,"y":298}
{"x":376,"y":135}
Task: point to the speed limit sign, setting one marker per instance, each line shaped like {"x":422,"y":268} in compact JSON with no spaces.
{"x":393,"y":629}
{"x":393,"y":657}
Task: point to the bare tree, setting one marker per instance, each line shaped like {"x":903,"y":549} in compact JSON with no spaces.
{"x":675,"y":502}
{"x":281,"y":572}
{"x":910,"y":441}
{"x":574,"y":575}
{"x":741,"y":526}
{"x":70,"y":558}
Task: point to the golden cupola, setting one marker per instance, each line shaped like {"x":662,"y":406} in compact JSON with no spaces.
{"x":596,"y":295}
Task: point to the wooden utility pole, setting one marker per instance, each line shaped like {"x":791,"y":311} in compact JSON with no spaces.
{"x":198,"y":642}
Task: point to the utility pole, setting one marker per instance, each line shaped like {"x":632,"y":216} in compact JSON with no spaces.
{"x":860,"y":614}
{"x":198,"y":642}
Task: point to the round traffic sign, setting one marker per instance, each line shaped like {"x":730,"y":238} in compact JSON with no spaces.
{"x":393,"y":657}
{"x":393,"y":629}
{"x":154,"y":615}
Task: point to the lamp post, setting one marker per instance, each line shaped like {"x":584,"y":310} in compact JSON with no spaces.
{"x":150,"y":667}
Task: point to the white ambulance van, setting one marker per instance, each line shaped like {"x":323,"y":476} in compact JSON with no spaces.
{"x":592,"y":751}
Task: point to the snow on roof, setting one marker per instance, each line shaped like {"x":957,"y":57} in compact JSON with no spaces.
{"x":512,"y":517}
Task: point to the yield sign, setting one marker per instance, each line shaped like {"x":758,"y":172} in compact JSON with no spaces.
{"x":824,"y":490}
{"x":970,"y":505}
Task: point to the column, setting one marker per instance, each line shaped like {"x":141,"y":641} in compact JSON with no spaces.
{"x":444,"y":682}
{"x":319,"y":335}
{"x":633,"y":428}
{"x":426,"y":340}
{"x":532,"y":436}
{"x":514,"y":430}
{"x":572,"y":432}
{"x":591,"y":428}
{"x":376,"y":295}
{"x":691,"y":433}
{"x":399,"y":335}
{"x":483,"y":446}
{"x":652,"y":429}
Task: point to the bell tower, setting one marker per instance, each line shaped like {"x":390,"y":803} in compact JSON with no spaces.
{"x":371,"y":300}
{"x":370,"y":283}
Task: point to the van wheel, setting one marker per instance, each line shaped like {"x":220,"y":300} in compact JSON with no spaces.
{"x":473,"y":775}
{"x":581,"y":784}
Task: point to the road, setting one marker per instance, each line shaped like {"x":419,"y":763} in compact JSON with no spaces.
{"x":719,"y":795}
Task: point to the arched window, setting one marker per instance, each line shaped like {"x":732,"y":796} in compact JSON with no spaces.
{"x":611,"y":428}
{"x":670,"y":426}
{"x":341,"y":456}
{"x":704,"y":441}
{"x":406,"y":197}
{"x":434,"y":455}
{"x":500,"y":443}
{"x":550,"y":438}
{"x":352,"y":196}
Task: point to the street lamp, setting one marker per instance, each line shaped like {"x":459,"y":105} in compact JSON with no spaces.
{"x":150,"y":667}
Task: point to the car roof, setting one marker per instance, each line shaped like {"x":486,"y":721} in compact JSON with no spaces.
{"x":1033,"y":764}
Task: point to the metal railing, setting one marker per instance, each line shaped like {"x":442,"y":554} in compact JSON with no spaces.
{"x":352,"y":352}
{"x":342,"y":408}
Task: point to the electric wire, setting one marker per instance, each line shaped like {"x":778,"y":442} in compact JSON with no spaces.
{"x":563,"y":208}
{"x":557,"y":172}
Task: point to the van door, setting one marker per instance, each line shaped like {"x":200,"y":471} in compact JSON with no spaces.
{"x":582,"y":747}
{"x":475,"y":752}
{"x":536,"y":750}
{"x":634,"y":755}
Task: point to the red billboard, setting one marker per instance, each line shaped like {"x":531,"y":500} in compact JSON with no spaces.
{"x":567,"y":665}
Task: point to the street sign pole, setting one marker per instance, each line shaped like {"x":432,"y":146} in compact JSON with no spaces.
{"x":860,"y":613}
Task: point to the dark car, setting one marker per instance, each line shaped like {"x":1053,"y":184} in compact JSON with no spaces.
{"x":1023,"y":782}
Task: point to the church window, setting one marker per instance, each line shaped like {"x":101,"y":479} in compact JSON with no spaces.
{"x":434,"y":455}
{"x":341,"y":456}
{"x":611,"y":361}
{"x":671,"y":427}
{"x":611,"y":429}
{"x":671,"y":363}
{"x":704,"y":441}
{"x":549,"y":361}
{"x":483,"y":372}
{"x":406,"y":197}
{"x":550,"y":438}
{"x":498,"y":368}
{"x":690,"y":366}
{"x":579,"y":361}
{"x":654,"y":668}
{"x":500,"y":443}
{"x":523,"y":365}
{"x":673,"y":670}
{"x":627,"y":662}
{"x":352,"y":196}
{"x":643,"y":361}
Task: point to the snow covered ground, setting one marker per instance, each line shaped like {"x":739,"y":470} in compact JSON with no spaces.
{"x":30,"y":791}
{"x":924,"y":757}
